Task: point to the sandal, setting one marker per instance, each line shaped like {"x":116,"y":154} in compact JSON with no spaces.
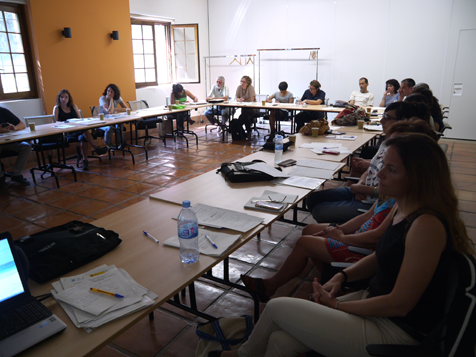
{"x":256,"y":286}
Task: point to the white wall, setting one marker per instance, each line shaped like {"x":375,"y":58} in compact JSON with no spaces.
{"x":377,"y":39}
{"x":185,"y":12}
{"x":25,"y":107}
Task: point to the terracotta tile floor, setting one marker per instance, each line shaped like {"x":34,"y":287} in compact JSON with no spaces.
{"x":113,"y":185}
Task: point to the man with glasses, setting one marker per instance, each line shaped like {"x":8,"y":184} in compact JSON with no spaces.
{"x":362,"y":98}
{"x":219,"y":91}
{"x":312,"y":96}
{"x":406,"y":88}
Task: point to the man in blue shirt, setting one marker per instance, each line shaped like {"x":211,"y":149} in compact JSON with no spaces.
{"x":312,"y":96}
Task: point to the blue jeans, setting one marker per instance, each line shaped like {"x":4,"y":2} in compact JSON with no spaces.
{"x":335,"y":205}
{"x":223,"y":111}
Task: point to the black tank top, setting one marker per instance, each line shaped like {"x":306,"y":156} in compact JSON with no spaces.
{"x":62,"y":116}
{"x":390,"y":251}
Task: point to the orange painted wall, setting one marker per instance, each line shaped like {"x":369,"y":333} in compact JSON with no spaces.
{"x":86,"y":63}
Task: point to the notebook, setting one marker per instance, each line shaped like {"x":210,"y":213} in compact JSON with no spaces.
{"x":23,"y":320}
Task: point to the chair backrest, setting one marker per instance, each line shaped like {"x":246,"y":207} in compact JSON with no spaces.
{"x":94,"y":111}
{"x":460,"y":329}
{"x":39,"y":120}
{"x":261,"y":97}
{"x":80,"y":114}
{"x":138,"y":104}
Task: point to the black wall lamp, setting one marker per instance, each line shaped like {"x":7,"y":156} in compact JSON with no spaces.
{"x":115,"y":35}
{"x":67,"y":32}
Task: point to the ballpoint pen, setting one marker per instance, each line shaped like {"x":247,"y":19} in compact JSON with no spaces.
{"x":211,"y":242}
{"x":149,"y":236}
{"x":107,"y":293}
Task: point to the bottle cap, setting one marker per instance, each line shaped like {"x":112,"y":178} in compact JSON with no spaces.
{"x":279,"y":137}
{"x":186,"y":204}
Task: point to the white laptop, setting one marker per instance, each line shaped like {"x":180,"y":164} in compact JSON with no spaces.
{"x":23,"y":320}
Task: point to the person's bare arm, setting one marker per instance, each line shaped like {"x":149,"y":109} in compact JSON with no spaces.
{"x":424,"y":243}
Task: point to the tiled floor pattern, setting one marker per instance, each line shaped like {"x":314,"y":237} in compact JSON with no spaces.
{"x":112,"y":185}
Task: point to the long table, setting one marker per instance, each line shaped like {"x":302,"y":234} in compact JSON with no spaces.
{"x":152,"y":265}
{"x":155,"y":266}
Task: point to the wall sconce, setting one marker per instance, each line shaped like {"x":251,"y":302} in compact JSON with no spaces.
{"x":115,"y":35}
{"x":66,"y":32}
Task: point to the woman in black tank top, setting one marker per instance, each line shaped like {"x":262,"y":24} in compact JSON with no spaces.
{"x":408,"y":269}
{"x":66,"y":109}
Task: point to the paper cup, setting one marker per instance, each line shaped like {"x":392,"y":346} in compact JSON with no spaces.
{"x":292,"y":138}
{"x":170,"y":107}
{"x":32,"y":126}
{"x":263,"y":102}
{"x":315,"y":131}
{"x":101,"y":116}
{"x":128,"y":111}
{"x":369,"y":110}
{"x":360,"y":124}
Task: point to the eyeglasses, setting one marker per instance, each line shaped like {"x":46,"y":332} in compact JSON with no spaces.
{"x":388,"y":117}
{"x":312,"y":88}
{"x":244,"y":82}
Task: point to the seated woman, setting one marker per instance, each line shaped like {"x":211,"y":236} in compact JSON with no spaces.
{"x":283,"y":96}
{"x":340,"y":204}
{"x":313,"y":96}
{"x":245,"y":92}
{"x":391,"y":93}
{"x":325,"y":243}
{"x":177,"y":96}
{"x":108,"y":104}
{"x":66,"y":109}
{"x":408,"y":269}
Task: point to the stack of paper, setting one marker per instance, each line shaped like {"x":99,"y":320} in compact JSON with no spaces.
{"x":222,"y":240}
{"x":89,"y":309}
{"x":271,"y":196}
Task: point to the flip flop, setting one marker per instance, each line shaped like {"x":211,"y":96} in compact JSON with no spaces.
{"x":256,"y":286}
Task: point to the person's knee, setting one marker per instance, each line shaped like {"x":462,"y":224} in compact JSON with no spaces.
{"x":281,"y":343}
{"x":310,"y":229}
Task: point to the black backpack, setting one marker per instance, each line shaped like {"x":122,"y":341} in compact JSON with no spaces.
{"x":59,"y":250}
{"x":236,"y":130}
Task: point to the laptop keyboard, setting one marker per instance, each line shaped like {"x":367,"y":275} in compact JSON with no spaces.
{"x":21,"y":318}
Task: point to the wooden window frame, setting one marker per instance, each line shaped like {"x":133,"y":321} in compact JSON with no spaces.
{"x":197,"y":52}
{"x":32,"y":93}
{"x":152,"y":24}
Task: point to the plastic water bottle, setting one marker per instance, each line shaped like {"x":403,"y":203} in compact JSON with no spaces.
{"x":187,"y":225}
{"x":278,"y":149}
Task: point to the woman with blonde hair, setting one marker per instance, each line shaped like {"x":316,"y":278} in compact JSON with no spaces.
{"x":245,"y":92}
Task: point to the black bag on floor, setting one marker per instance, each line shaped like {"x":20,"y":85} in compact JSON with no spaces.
{"x":59,"y":250}
{"x":238,"y":172}
{"x":236,"y":130}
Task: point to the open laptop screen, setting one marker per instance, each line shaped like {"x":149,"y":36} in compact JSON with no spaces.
{"x":10,"y":282}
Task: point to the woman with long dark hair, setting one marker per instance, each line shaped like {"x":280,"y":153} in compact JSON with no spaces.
{"x":66,"y":109}
{"x":391,"y":93}
{"x":109,"y":103}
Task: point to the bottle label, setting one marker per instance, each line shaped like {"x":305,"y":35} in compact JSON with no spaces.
{"x":188,"y":231}
{"x":278,"y":146}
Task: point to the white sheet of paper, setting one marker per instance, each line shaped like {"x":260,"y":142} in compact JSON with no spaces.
{"x":261,"y":166}
{"x":319,"y":164}
{"x":222,"y":240}
{"x":298,"y":181}
{"x":310,"y":172}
